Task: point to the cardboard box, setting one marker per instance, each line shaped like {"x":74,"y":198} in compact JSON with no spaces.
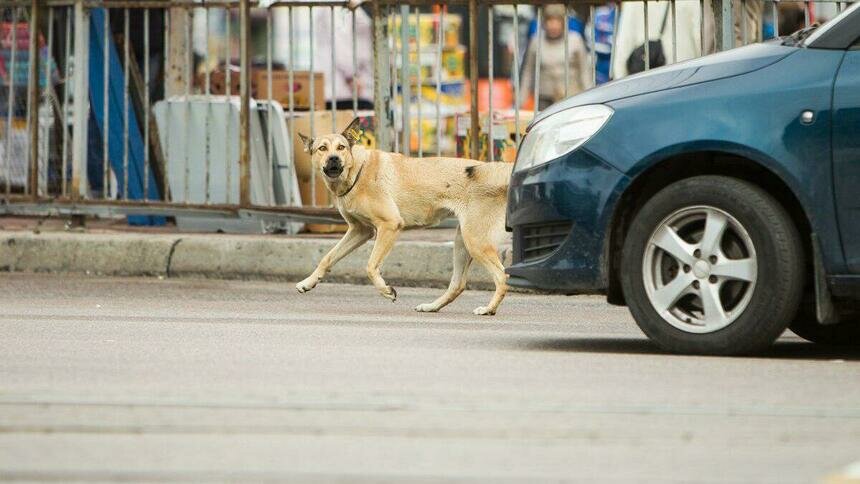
{"x":280,"y":86}
{"x":301,"y":123}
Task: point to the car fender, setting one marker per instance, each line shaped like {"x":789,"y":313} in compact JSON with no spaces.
{"x":833,"y":258}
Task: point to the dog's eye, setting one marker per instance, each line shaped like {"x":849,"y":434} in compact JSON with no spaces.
{"x":323,"y":148}
{"x":341,"y":147}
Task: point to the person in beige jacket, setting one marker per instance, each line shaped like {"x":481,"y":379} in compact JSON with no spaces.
{"x":552,"y":62}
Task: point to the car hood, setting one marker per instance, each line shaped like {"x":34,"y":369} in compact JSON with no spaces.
{"x":703,"y":69}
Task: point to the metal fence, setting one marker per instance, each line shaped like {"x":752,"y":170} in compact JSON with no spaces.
{"x":108,"y":109}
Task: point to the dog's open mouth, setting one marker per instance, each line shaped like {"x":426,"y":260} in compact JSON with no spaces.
{"x":333,"y":172}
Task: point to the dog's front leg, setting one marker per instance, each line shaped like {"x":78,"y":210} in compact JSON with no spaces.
{"x":386,"y":234}
{"x":355,"y":237}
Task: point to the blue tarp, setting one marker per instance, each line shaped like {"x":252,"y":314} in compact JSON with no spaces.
{"x":116,"y":84}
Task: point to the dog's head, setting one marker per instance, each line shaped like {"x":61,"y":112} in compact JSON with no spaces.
{"x":332,"y":153}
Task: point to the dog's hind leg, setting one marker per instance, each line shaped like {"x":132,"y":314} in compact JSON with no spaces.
{"x":355,"y":237}
{"x":488,"y":256}
{"x":462,"y":261}
{"x":482,"y":241}
{"x":386,"y":234}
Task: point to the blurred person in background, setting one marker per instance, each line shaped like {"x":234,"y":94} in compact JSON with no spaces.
{"x":345,"y":77}
{"x":512,"y":41}
{"x":752,"y":15}
{"x":791,"y":17}
{"x":576,"y":21}
{"x":604,"y":28}
{"x":552,"y":61}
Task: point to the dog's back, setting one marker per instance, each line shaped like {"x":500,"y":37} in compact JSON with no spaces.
{"x":489,"y":179}
{"x":426,"y":190}
{"x":454,"y":178}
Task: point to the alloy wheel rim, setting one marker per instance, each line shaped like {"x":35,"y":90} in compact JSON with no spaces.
{"x":700,"y":269}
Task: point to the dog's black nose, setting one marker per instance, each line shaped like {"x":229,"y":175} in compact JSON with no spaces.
{"x":333,"y":167}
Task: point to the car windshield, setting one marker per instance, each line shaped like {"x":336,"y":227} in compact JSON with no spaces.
{"x":811,"y":36}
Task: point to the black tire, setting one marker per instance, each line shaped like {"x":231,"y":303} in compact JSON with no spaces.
{"x":807,"y":327}
{"x":772,"y":300}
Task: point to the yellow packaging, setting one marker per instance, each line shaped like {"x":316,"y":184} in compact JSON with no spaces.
{"x":427,"y":135}
{"x":451,"y":32}
{"x":425,"y":30}
{"x":453,"y":93}
{"x":454,"y":62}
{"x":504,"y":134}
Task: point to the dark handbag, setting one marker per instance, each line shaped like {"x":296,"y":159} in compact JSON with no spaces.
{"x":636,"y":61}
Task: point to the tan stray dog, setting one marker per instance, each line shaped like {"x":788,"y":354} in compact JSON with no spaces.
{"x":385,"y":193}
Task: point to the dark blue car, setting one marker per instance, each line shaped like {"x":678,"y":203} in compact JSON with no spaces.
{"x":719,"y":199}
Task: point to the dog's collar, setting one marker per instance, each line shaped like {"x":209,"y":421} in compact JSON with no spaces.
{"x":353,"y":183}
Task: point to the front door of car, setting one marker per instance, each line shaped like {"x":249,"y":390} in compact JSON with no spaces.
{"x":846,"y":154}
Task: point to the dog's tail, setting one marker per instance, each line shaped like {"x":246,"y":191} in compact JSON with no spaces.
{"x":490,"y":179}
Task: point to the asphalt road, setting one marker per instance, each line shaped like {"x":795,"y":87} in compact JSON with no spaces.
{"x":144,"y":379}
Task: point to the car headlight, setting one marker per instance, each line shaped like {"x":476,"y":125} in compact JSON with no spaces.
{"x":560,"y":134}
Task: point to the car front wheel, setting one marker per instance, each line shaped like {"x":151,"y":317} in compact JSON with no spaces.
{"x":712,"y":265}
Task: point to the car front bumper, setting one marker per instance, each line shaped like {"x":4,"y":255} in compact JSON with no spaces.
{"x":559,"y":213}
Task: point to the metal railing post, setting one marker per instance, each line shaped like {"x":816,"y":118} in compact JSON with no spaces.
{"x":381,"y":79}
{"x":515,"y":70}
{"x":419,"y":82}
{"x":405,"y":86}
{"x":33,"y":92}
{"x":473,"y":78}
{"x":440,"y":29}
{"x":82,"y":101}
{"x":724,"y":25}
{"x":538,"y":40}
{"x":106,"y":105}
{"x":126,"y":101}
{"x":647,"y":43}
{"x":245,"y":100}
{"x":491,"y":142}
{"x":175,"y":26}
{"x":354,"y":66}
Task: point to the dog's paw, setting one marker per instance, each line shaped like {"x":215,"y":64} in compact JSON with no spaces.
{"x":427,"y":308}
{"x":389,"y":293}
{"x":306,"y":285}
{"x":484,"y":311}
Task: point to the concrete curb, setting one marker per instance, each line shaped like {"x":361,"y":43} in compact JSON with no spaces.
{"x":114,"y":254}
{"x":221,"y":257}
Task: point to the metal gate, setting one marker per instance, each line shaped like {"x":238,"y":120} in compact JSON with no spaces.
{"x":85,"y":81}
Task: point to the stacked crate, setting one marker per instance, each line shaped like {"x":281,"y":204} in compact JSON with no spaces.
{"x":422,"y":30}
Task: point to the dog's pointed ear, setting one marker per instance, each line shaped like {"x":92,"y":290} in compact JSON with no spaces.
{"x":352,"y":133}
{"x":307,"y":142}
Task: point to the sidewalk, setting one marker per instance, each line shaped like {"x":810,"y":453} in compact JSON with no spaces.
{"x":109,"y":247}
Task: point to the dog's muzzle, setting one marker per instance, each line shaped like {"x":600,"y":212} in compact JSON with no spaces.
{"x":333,"y":167}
